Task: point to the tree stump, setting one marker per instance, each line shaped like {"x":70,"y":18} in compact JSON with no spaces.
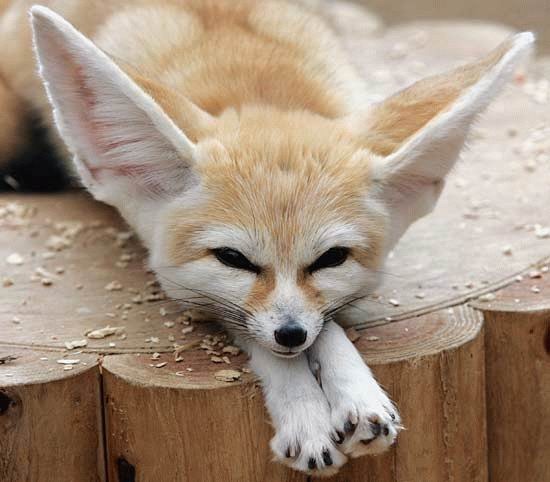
{"x":470,"y":377}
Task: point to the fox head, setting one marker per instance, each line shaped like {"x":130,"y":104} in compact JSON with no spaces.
{"x":270,"y":220}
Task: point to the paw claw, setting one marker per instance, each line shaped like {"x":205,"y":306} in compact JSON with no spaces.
{"x":311,"y":464}
{"x":376,"y":429}
{"x":327,"y":459}
{"x":340,"y":437}
{"x":349,"y":427}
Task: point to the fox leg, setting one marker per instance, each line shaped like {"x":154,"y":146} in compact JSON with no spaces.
{"x":299,"y":411}
{"x":360,"y":410}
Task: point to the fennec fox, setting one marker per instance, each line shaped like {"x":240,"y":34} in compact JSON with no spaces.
{"x":235,"y":139}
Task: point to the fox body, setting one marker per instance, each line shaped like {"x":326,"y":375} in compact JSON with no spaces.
{"x":239,"y":143}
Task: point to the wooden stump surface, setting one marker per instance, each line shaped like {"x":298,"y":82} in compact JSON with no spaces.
{"x":471,"y":379}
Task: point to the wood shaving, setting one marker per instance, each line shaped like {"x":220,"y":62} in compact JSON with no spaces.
{"x":7,"y":282}
{"x":394,"y":302}
{"x":71,"y":345}
{"x":353,"y":334}
{"x":507,"y":250}
{"x":155,"y":356}
{"x":373,"y":338}
{"x":488,"y":297}
{"x":68,"y":361}
{"x":542,"y":232}
{"x":181,"y":348}
{"x":15,"y":259}
{"x":113,"y":286}
{"x":227,"y":375}
{"x":161,"y":364}
{"x":535,"y":289}
{"x":216,"y":359}
{"x":104,"y":332}
{"x":58,"y":243}
{"x":535,"y":274}
{"x":187,"y":329}
{"x":232,"y":350}
{"x":169,"y":324}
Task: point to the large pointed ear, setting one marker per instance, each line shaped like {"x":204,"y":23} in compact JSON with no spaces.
{"x":418,"y":133}
{"x":124,"y":144}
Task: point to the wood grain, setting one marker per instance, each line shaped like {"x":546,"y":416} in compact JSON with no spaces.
{"x":50,"y":421}
{"x":432,"y":366}
{"x":518,"y":381}
{"x":475,"y":400}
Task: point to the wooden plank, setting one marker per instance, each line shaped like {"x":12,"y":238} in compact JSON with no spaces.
{"x":432,"y":366}
{"x":50,"y":419}
{"x":518,"y":380}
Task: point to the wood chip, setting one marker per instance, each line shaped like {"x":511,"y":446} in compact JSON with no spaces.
{"x":161,"y":364}
{"x":486,"y":298}
{"x":216,"y":359}
{"x":535,"y":274}
{"x":15,"y":259}
{"x":353,"y":334}
{"x":113,"y":286}
{"x":232,"y":350}
{"x":68,"y":361}
{"x":104,"y":332}
{"x":7,"y":282}
{"x":373,"y":338}
{"x":535,"y":289}
{"x":168,"y":324}
{"x":542,"y":232}
{"x":393,"y":302}
{"x":71,"y":345}
{"x":507,"y":250}
{"x":58,"y":243}
{"x":227,"y":375}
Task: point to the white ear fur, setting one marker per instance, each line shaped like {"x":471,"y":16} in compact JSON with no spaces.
{"x":125,"y":146}
{"x":410,"y":179}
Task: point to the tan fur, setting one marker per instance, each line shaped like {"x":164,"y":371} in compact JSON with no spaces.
{"x":405,"y":113}
{"x":264,"y":90}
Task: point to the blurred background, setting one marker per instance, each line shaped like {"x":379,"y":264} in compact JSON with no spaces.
{"x":520,"y":14}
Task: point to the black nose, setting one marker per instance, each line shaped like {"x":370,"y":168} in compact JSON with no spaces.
{"x":290,"y":335}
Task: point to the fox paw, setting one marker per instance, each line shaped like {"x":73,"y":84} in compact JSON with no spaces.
{"x":306,"y":442}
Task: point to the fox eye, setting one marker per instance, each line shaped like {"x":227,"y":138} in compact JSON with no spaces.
{"x":235,"y":259}
{"x":329,"y":259}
